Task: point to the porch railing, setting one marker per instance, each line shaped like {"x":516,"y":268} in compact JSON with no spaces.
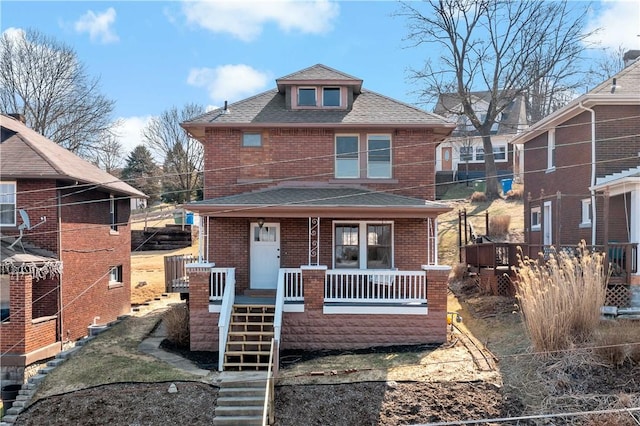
{"x":217,"y":282}
{"x":375,"y":286}
{"x":224,"y":320}
{"x":292,"y":284}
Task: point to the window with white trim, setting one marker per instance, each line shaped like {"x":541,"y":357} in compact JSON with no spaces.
{"x":331,"y":96}
{"x":347,"y":156}
{"x":363,"y":245}
{"x":7,"y":204}
{"x":475,"y":154}
{"x":307,"y":96}
{"x":535,"y":219}
{"x":551,"y":149}
{"x":585,"y":212}
{"x":499,"y":153}
{"x":115,"y":275}
{"x":251,"y":139}
{"x":379,"y":156}
{"x":466,"y":153}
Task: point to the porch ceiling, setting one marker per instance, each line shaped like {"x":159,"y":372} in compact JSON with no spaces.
{"x":338,"y":202}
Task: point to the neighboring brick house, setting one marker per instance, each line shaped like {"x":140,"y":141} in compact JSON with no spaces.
{"x":71,"y":266}
{"x":319,"y":189}
{"x":582,"y":168}
{"x":461,"y":157}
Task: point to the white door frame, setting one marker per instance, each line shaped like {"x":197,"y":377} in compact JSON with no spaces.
{"x":547,"y":226}
{"x":264,"y":257}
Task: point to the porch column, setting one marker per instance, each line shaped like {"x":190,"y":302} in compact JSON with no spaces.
{"x":634,"y":236}
{"x":313,"y":278}
{"x":437,"y":284}
{"x":203,"y":328}
{"x":20,"y":310}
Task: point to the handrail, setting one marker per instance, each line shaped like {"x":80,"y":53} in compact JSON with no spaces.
{"x":279,"y":308}
{"x":224,"y":320}
{"x":268,"y":410}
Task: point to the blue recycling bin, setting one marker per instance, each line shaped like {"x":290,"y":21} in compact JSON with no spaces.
{"x":506,"y":185}
{"x":189,"y":218}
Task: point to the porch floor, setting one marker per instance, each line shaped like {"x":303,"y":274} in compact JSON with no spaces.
{"x":255,"y":300}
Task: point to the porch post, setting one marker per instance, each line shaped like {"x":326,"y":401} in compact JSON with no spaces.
{"x":634,"y":236}
{"x":605,"y":219}
{"x":20,"y":310}
{"x":313,"y":278}
{"x":314,"y":241}
{"x":437,"y":278}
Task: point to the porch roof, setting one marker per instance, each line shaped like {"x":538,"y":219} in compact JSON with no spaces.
{"x":337,"y":202}
{"x":24,"y":258}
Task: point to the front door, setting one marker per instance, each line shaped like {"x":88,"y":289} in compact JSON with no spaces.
{"x":447,"y":163}
{"x":547,"y":225}
{"x":264,"y":256}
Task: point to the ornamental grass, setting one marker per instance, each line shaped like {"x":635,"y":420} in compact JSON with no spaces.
{"x":560,"y":298}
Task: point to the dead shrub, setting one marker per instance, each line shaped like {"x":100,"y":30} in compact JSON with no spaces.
{"x":478,"y":197}
{"x":499,"y":225}
{"x":514,"y":194}
{"x":176,"y":320}
{"x":458,"y":272}
{"x":617,"y":342}
{"x":561,"y":298}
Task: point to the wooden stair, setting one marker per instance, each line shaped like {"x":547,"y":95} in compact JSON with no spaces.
{"x":249,"y":337}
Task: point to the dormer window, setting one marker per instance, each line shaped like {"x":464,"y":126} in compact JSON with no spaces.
{"x":307,"y":96}
{"x":331,"y":96}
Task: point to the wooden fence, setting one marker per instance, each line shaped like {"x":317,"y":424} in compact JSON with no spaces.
{"x":175,"y":272}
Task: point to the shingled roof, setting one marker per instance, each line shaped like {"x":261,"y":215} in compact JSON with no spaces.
{"x":321,"y":73}
{"x":26,"y":154}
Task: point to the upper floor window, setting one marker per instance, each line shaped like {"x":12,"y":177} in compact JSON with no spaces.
{"x":379,"y":156}
{"x":251,"y":139}
{"x":331,"y":96}
{"x":535,"y":218}
{"x":307,"y":96}
{"x":585,"y":212}
{"x":7,"y":203}
{"x":551,"y":149}
{"x":113,"y":213}
{"x":347,"y":156}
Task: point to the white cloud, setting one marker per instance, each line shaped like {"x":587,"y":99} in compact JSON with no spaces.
{"x":228,"y":82}
{"x":130,"y":132}
{"x":619,"y":22}
{"x":14,"y":34}
{"x":245,"y":19}
{"x":99,"y":26}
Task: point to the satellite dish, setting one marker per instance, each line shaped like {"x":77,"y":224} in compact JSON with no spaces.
{"x":26,"y":224}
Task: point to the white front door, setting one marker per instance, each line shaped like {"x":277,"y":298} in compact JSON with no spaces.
{"x":264,"y":256}
{"x":547,"y":225}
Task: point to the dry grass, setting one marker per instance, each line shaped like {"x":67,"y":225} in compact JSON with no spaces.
{"x":561,"y":298}
{"x":176,"y":320}
{"x":499,"y":225}
{"x":458,"y":271}
{"x":617,"y":342}
{"x":514,"y":194}
{"x":478,"y":197}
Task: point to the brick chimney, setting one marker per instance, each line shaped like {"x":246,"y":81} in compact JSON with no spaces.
{"x":630,"y":56}
{"x":20,"y":117}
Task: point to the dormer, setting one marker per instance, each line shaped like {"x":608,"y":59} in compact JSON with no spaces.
{"x":319,"y":88}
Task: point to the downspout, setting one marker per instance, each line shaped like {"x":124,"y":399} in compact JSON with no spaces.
{"x":593,"y":172}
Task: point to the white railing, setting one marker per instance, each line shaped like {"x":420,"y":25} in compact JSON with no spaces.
{"x":219,"y":276}
{"x":226,"y":309}
{"x":375,"y":286}
{"x":277,"y":316}
{"x":292,"y":284}
{"x":268,"y":410}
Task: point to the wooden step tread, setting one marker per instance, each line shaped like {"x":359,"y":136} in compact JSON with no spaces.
{"x":238,"y":353}
{"x":250,"y":333}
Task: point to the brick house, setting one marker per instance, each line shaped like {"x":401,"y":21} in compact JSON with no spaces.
{"x":583,"y":176}
{"x":461,"y":157}
{"x":314,"y":197}
{"x":65,"y":247}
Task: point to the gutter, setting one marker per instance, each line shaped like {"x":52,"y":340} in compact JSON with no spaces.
{"x":593,"y":172}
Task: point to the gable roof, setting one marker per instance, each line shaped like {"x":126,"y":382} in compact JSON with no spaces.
{"x":513,"y":114}
{"x":321,"y":74}
{"x":625,"y":92}
{"x":322,"y":201}
{"x":25,"y":154}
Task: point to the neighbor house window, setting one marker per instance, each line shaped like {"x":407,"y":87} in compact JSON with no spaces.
{"x":551,"y":149}
{"x":500,"y":153}
{"x":7,"y":203}
{"x":479,"y":153}
{"x":586,"y":212}
{"x":466,"y":153}
{"x":307,"y":97}
{"x":363,"y":245}
{"x":535,"y":218}
{"x":115,"y":275}
{"x":251,"y":139}
{"x":331,"y":96}
{"x":379,"y":156}
{"x":347,"y":158}
{"x":113,"y":213}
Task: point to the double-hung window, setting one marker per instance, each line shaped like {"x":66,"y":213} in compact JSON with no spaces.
{"x":585,"y":212}
{"x":7,"y":203}
{"x":500,"y":153}
{"x":535,"y":218}
{"x":379,"y":156}
{"x":307,"y":96}
{"x":347,"y":156}
{"x":363,"y":245}
{"x":466,"y":153}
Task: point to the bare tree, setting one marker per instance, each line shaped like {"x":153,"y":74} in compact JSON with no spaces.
{"x":109,"y":154}
{"x":166,"y":138}
{"x":489,"y":45}
{"x":44,"y":80}
{"x":610,"y":63}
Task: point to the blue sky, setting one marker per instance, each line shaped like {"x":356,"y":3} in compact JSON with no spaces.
{"x":152,"y":55}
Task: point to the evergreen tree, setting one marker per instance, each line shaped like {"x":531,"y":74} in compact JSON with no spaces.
{"x":141,"y":172}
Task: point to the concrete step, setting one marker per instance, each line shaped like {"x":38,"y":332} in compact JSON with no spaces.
{"x":241,"y":392}
{"x":238,"y":420}
{"x":245,"y":410}
{"x":240,"y":401}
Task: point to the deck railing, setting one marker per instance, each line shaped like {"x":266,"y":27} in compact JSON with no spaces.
{"x":226,"y":309}
{"x":375,"y":286}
